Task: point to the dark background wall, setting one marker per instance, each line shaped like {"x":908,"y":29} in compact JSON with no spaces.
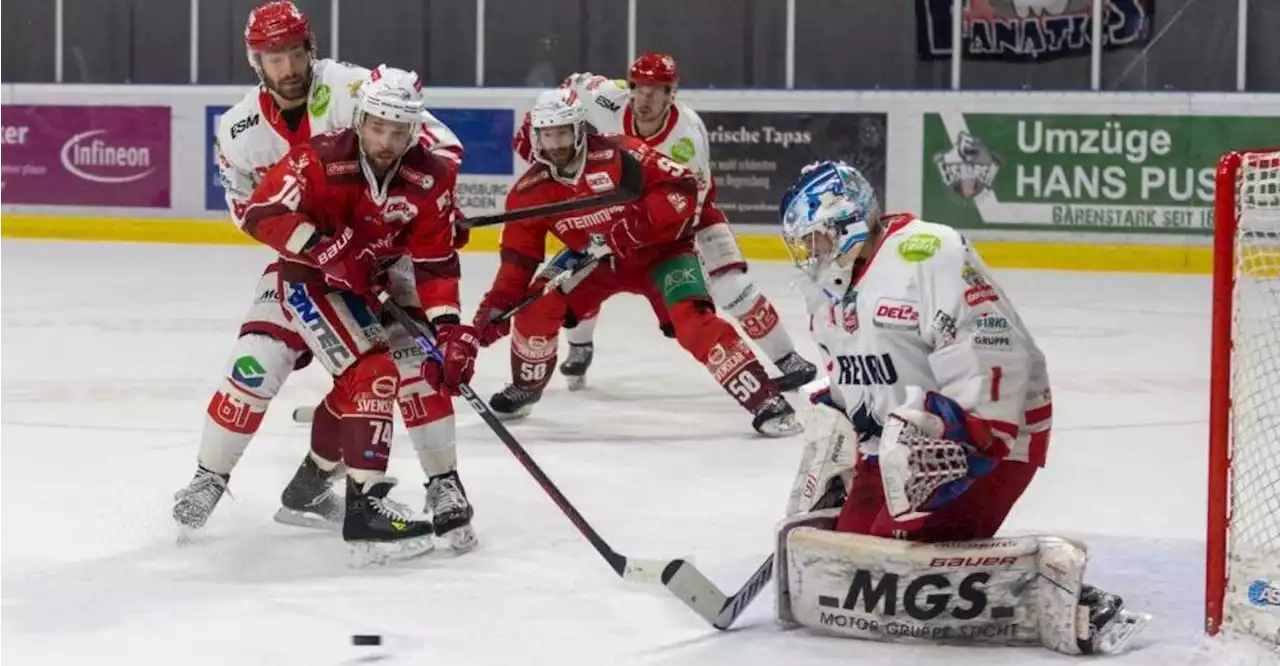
{"x":840,"y":44}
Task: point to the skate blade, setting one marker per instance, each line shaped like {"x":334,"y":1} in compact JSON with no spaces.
{"x":314,"y":521}
{"x":362,"y":554}
{"x":514,"y":416}
{"x":461,"y":539}
{"x":779,"y":428}
{"x":1115,"y":637}
{"x":576,"y":382}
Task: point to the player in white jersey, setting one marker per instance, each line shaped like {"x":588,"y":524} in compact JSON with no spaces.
{"x":944,"y":393}
{"x":644,"y":106}
{"x":300,"y":97}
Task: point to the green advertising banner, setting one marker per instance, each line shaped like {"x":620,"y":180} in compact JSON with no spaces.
{"x":1079,"y":172}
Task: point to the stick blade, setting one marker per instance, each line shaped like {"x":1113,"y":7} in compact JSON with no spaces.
{"x":694,"y":589}
{"x":649,"y":572}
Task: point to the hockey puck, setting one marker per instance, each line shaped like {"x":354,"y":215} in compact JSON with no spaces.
{"x":366,"y":639}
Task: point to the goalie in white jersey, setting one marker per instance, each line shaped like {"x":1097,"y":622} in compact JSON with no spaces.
{"x":300,"y":97}
{"x":644,"y":106}
{"x":943,"y":419}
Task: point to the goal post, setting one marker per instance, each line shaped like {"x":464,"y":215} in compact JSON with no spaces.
{"x":1242,"y":563}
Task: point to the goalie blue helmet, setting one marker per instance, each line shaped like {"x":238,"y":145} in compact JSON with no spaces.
{"x":826,"y":217}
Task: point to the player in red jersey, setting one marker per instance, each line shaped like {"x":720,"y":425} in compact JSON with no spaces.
{"x":353,"y":212}
{"x":644,"y":247}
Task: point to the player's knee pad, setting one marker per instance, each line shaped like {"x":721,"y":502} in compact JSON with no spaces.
{"x":258,"y":367}
{"x":260,"y":364}
{"x":718,"y":249}
{"x":368,"y":388}
{"x":1010,"y":591}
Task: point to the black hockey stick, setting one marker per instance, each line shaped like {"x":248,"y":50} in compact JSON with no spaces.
{"x":680,"y":577}
{"x":627,"y":190}
{"x":626,"y":567}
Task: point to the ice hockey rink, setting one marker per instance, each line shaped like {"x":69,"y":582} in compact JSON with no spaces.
{"x":110,"y":352}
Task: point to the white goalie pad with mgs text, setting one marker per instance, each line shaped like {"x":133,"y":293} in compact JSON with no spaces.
{"x":718,"y":249}
{"x":1015,"y":591}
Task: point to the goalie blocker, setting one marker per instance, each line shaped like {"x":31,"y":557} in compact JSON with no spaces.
{"x":1015,"y":591}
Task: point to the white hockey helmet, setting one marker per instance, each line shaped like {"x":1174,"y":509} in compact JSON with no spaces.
{"x":557,"y":108}
{"x":391,"y":94}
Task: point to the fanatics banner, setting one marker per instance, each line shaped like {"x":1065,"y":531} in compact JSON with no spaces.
{"x":1031,"y":30}
{"x":86,"y":155}
{"x":756,"y":156}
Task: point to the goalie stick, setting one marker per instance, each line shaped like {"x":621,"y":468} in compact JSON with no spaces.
{"x":683,"y":579}
{"x":631,"y":182}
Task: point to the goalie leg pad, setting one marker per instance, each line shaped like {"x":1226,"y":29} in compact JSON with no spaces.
{"x":1016,"y":591}
{"x":827,"y":459}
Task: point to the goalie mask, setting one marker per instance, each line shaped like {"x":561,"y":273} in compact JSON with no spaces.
{"x":558,"y":122}
{"x":827,"y":215}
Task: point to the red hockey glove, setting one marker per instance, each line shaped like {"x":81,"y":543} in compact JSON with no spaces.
{"x":458,"y":344}
{"x":347,"y":262}
{"x":487,"y":330}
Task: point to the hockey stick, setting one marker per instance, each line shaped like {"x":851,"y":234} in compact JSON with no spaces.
{"x":680,"y":577}
{"x":629,"y":186}
{"x":629,"y":568}
{"x":307,"y":414}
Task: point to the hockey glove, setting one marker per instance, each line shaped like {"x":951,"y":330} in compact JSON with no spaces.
{"x":932,"y":451}
{"x":489,"y":331}
{"x":458,"y":345}
{"x":346,"y":260}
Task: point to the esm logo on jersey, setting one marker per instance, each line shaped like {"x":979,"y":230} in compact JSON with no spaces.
{"x":924,"y":598}
{"x":244,"y":124}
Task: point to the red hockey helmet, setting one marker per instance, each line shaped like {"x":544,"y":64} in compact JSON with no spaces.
{"x":276,"y":25}
{"x":654,"y":69}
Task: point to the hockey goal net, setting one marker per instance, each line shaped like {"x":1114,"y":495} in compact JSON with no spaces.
{"x":1243,"y":559}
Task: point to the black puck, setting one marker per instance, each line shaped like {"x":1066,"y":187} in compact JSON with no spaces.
{"x":366,"y":639}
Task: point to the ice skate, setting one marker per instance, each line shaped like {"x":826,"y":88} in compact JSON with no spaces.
{"x":378,"y":530}
{"x":514,"y":402}
{"x":796,"y":372}
{"x":776,"y":418}
{"x":575,"y":367}
{"x":309,"y":500}
{"x":451,"y":511}
{"x":1111,"y":627}
{"x":193,"y":504}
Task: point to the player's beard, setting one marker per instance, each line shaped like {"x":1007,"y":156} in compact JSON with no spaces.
{"x":562,"y":158}
{"x":291,"y":88}
{"x":649,"y":113}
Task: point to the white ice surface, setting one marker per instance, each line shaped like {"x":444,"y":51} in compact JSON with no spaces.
{"x":110,"y":352}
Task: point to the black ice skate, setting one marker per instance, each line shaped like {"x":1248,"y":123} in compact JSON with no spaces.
{"x":514,"y":402}
{"x":776,"y":418}
{"x":451,"y":511}
{"x":575,"y":367}
{"x":1111,"y":627}
{"x":309,"y":500}
{"x":796,"y":372}
{"x":193,"y":504}
{"x":378,"y":530}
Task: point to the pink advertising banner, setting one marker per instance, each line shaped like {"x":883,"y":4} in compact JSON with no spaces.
{"x":86,"y":155}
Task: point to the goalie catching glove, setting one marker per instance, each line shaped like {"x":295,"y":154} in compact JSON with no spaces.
{"x":932,"y":450}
